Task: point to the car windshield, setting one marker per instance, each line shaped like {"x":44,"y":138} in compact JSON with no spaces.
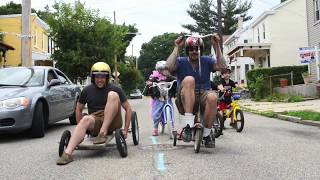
{"x":135,"y":91}
{"x":21,"y":77}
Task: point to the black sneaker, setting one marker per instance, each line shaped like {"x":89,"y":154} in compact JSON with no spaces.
{"x":209,"y":141}
{"x":187,"y":134}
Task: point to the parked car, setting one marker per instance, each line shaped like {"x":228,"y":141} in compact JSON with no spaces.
{"x":32,"y":98}
{"x":135,"y":94}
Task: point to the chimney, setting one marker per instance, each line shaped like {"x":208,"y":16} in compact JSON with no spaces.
{"x":240,"y":22}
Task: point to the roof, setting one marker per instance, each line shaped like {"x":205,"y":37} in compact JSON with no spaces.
{"x":39,"y":21}
{"x":5,"y":47}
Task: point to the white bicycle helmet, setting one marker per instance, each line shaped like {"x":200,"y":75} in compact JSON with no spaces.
{"x":160,"y":65}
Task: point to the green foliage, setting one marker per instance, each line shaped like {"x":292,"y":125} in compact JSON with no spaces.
{"x":206,"y":17}
{"x":259,"y":81}
{"x":305,"y":115}
{"x":12,"y":8}
{"x":158,"y":49}
{"x":83,"y":38}
{"x":278,"y":97}
{"x":130,"y":77}
{"x":258,"y":87}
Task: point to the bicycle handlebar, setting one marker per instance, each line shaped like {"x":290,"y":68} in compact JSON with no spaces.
{"x":163,"y":85}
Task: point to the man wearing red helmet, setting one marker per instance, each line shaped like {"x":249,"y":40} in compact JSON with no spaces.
{"x":193,"y":88}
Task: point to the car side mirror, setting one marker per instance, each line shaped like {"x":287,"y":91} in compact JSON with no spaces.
{"x":54,"y":82}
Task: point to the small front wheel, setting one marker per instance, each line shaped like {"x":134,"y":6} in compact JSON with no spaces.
{"x":121,"y":143}
{"x":198,"y":139}
{"x":174,"y":138}
{"x":64,"y":141}
{"x":239,"y":120}
{"x":170,"y":121}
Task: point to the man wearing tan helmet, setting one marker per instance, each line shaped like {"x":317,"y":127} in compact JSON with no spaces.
{"x":104,"y":101}
{"x":194,"y":85}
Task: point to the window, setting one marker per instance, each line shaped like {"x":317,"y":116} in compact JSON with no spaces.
{"x":245,"y":41}
{"x":264,"y":31}
{"x":316,"y":10}
{"x":258,"y":35}
{"x":42,"y":41}
{"x":35,"y":39}
{"x":62,"y":77}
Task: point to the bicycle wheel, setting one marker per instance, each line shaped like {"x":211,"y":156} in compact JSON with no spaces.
{"x":169,"y":119}
{"x":135,"y":128}
{"x":162,"y":127}
{"x":198,"y":139}
{"x":217,"y":125}
{"x":64,"y":141}
{"x":174,"y":138}
{"x":121,"y":143}
{"x":239,"y":121}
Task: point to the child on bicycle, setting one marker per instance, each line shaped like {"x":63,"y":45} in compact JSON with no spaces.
{"x":225,"y":87}
{"x":160,"y":74}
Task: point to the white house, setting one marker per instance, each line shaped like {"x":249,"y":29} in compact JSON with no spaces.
{"x":272,"y":39}
{"x":313,"y":16}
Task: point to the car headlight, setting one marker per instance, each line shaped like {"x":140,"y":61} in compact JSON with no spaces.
{"x":14,"y":103}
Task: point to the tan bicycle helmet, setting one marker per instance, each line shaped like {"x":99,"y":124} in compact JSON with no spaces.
{"x":100,"y":68}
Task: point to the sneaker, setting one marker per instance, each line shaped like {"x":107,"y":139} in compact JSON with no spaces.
{"x":209,"y":141}
{"x":187,"y":134}
{"x":64,"y":159}
{"x":155,"y":132}
{"x":100,"y":139}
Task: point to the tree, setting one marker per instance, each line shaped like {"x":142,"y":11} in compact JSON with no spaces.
{"x":206,"y":17}
{"x":158,"y":49}
{"x":130,"y":77}
{"x":12,"y":8}
{"x":83,"y":38}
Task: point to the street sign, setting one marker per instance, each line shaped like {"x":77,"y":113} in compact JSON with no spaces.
{"x":307,"y":54}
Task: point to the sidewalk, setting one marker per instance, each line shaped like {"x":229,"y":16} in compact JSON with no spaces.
{"x":279,"y":107}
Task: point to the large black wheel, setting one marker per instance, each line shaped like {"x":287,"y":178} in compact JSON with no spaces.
{"x":217,"y":125}
{"x":239,"y":122}
{"x":38,"y":123}
{"x":198,"y":139}
{"x":135,"y":128}
{"x":121,"y":143}
{"x":64,"y":141}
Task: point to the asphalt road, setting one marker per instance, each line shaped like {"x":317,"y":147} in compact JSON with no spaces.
{"x":266,"y":149}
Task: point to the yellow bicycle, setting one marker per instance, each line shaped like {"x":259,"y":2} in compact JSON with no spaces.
{"x":231,"y":111}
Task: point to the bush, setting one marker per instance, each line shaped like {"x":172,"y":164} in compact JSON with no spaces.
{"x":259,"y":82}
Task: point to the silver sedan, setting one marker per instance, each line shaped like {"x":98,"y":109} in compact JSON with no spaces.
{"x":32,"y":98}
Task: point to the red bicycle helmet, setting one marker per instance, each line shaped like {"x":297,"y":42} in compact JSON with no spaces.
{"x":192,"y":42}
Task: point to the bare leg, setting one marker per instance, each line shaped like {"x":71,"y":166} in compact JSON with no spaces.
{"x":110,"y":111}
{"x":210,"y":110}
{"x":87,"y":122}
{"x":187,"y":94}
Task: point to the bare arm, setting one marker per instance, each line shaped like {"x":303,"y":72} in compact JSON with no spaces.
{"x":126,"y":106}
{"x":221,"y":63}
{"x":79,"y":110}
{"x":171,"y":61}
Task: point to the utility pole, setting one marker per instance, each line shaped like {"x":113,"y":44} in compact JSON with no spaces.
{"x":115,"y":54}
{"x":220,"y":24}
{"x":26,"y":59}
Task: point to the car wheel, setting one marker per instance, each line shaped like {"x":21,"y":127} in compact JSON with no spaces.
{"x":38,"y":124}
{"x":72,"y":118}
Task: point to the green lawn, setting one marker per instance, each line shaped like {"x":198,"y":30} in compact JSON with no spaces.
{"x":305,"y":115}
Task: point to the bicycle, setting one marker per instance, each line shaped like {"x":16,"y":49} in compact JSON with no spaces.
{"x":198,"y":128}
{"x":167,"y":109}
{"x":233,"y":112}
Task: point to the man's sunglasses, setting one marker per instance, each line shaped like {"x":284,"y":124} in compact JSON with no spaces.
{"x":193,"y":48}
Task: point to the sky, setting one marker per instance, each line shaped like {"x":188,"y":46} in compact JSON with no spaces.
{"x":152,"y":17}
